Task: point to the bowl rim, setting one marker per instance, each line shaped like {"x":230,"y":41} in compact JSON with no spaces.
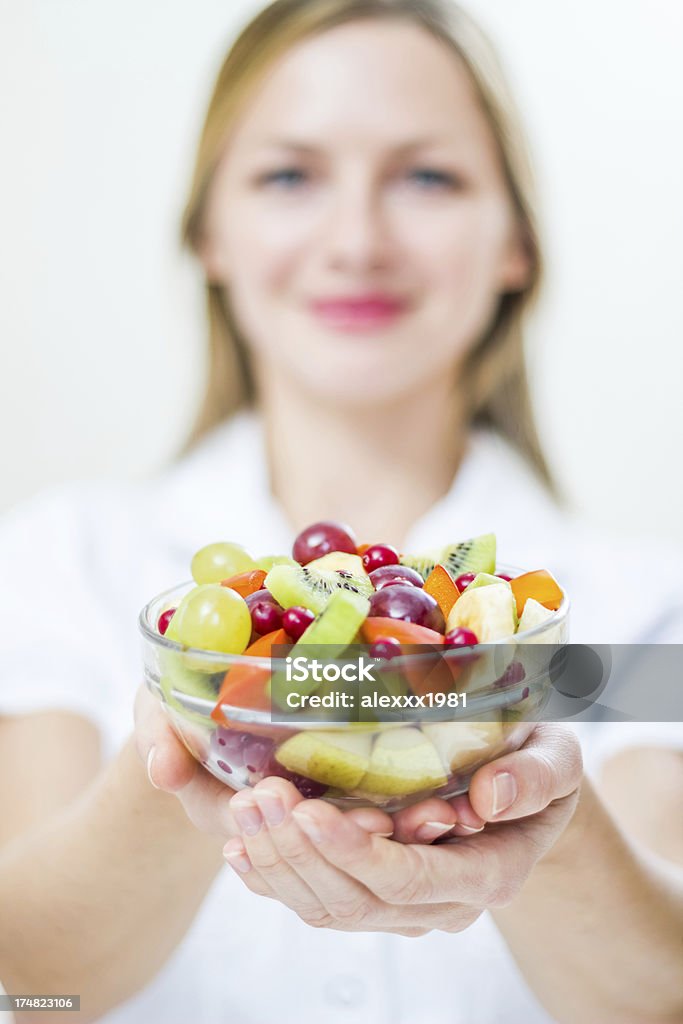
{"x":211,"y":656}
{"x":224,"y":662}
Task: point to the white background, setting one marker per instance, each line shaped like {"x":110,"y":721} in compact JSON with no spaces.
{"x":101,"y":328}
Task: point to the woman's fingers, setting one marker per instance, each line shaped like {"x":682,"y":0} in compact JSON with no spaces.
{"x":170,"y":765}
{"x":548,"y":767}
{"x":269,"y":839}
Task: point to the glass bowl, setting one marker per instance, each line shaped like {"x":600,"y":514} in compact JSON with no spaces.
{"x":491,"y":697}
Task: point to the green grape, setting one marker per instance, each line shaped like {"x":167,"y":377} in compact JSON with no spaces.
{"x":212,"y":618}
{"x":217,"y":562}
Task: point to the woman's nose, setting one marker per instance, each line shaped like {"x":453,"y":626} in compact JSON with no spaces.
{"x":357,"y":236}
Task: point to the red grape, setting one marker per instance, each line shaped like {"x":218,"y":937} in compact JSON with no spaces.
{"x":378,"y":555}
{"x":404,"y":601}
{"x":464,"y":580}
{"x":461,"y":637}
{"x":387,"y":575}
{"x":266,"y":613}
{"x":321,"y":538}
{"x":296,"y":621}
{"x":504,"y":576}
{"x":307,"y":787}
{"x":164,"y":619}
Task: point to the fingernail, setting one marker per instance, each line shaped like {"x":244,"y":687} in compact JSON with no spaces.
{"x":467,"y":829}
{"x":429,"y":830}
{"x":383,"y":835}
{"x":307,"y":825}
{"x":248,"y":817}
{"x":271,"y":806}
{"x":150,"y":758}
{"x":504,"y":792}
{"x":237,"y":858}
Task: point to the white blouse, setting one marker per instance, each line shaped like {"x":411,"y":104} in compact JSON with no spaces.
{"x":78,"y":562}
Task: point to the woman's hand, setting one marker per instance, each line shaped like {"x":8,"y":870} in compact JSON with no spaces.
{"x":328,"y":868}
{"x":205,"y":799}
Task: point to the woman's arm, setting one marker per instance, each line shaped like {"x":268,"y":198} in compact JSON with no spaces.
{"x":95,"y":900}
{"x":598,"y":928}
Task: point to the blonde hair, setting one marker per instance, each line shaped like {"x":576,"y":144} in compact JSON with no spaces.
{"x":494,"y":380}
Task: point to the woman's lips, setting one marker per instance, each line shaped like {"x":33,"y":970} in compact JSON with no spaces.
{"x":359,"y":312}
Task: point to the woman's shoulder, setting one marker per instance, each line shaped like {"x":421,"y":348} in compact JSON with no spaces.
{"x":625,"y":587}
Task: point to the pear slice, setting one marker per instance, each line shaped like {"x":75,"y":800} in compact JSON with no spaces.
{"x":489,"y":611}
{"x":460,"y":744}
{"x":403,"y":761}
{"x":336,"y":758}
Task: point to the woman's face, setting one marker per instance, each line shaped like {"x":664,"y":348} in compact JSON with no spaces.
{"x":359,"y":218}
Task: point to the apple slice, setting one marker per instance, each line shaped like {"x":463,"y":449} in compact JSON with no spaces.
{"x":336,"y":758}
{"x":487,"y":610}
{"x":460,"y":744}
{"x":403,"y":760}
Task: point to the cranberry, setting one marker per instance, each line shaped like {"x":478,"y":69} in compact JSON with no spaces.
{"x":164,"y":619}
{"x":386,"y":647}
{"x":378,"y":555}
{"x":461,"y":637}
{"x":464,"y":580}
{"x":266,"y":613}
{"x":296,"y":620}
{"x":514,"y":673}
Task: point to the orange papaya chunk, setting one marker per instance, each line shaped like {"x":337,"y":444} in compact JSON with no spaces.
{"x":442,"y":588}
{"x":245,"y":583}
{"x":378,"y":626}
{"x":244,"y":685}
{"x":540,"y":585}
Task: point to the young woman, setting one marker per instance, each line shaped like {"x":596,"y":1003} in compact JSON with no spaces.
{"x":363,"y":212}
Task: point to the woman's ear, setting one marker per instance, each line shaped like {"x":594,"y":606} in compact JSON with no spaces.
{"x":516,"y":269}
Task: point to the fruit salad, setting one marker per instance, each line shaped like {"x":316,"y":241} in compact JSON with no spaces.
{"x":215,"y":649}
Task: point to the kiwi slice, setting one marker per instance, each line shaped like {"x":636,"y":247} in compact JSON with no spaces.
{"x":326,"y":638}
{"x":313,"y":588}
{"x":475,"y":555}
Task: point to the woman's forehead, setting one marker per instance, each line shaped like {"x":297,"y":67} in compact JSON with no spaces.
{"x":391,"y":80}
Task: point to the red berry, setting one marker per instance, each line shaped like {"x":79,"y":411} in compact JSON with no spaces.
{"x":321,"y":538}
{"x":464,"y":580}
{"x":378,"y":555}
{"x":514,"y":673}
{"x":504,"y":576}
{"x":164,"y":619}
{"x":386,"y":647}
{"x":387,"y":575}
{"x":461,"y":637}
{"x":266,"y":613}
{"x":296,"y":620}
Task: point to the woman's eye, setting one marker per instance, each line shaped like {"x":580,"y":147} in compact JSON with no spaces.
{"x":288,"y":177}
{"x":428,"y":178}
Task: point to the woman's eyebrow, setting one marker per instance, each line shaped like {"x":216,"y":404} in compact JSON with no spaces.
{"x":399,"y":148}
